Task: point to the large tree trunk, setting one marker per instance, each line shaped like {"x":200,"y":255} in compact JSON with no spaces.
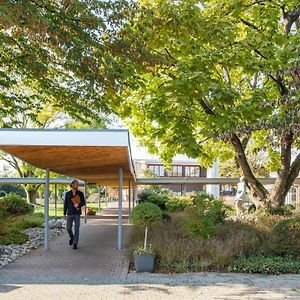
{"x":256,"y":187}
{"x":31,"y":196}
{"x":280,"y":190}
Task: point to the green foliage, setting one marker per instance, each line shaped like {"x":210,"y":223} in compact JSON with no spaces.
{"x":15,"y":205}
{"x":198,"y":197}
{"x":15,"y":188}
{"x":50,"y":54}
{"x":209,"y":76}
{"x":14,"y":238}
{"x":146,"y":214}
{"x":143,"y":251}
{"x":31,"y":221}
{"x":285,"y":210}
{"x":265,"y":265}
{"x":156,"y":195}
{"x":12,"y":230}
{"x":178,"y":203}
{"x":204,"y":217}
{"x":229,"y":248}
{"x":284,"y":239}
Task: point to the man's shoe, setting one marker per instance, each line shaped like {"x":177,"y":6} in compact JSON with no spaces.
{"x":75,"y":246}
{"x":71,"y":242}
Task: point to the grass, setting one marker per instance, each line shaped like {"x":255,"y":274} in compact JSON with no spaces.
{"x":40,"y":208}
{"x":11,"y":231}
{"x":237,"y":246}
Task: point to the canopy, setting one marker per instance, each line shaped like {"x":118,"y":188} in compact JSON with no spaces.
{"x":94,"y":156}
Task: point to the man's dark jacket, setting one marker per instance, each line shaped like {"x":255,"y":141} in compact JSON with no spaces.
{"x":69,"y":208}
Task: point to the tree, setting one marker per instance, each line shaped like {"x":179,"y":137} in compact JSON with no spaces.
{"x":55,"y":52}
{"x":217,"y":79}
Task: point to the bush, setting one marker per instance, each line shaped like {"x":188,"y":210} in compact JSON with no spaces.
{"x":14,"y":238}
{"x":265,"y":265}
{"x":203,"y":218}
{"x":30,"y":222}
{"x":284,"y":239}
{"x":178,"y":203}
{"x":243,"y":239}
{"x":285,"y":210}
{"x":146,"y":214}
{"x":153,"y":197}
{"x":201,"y":196}
{"x":15,"y":205}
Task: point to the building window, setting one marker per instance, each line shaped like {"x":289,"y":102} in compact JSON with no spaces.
{"x":177,"y":171}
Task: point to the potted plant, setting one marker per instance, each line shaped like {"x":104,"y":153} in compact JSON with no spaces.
{"x":145,"y":214}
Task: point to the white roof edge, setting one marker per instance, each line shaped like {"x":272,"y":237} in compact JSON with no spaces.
{"x":130,"y":159}
{"x":55,"y":137}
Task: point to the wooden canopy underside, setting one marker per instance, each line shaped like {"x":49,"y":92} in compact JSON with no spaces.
{"x":93,"y":164}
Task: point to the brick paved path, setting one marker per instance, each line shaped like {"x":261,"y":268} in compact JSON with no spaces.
{"x":98,"y":271}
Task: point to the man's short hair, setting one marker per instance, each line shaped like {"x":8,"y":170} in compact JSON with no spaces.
{"x":73,"y":181}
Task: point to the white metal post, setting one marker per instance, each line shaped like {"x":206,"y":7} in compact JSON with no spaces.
{"x":55,"y":200}
{"x":129,"y":201}
{"x":120,"y":209}
{"x":105,"y":196}
{"x":46,"y":210}
{"x":99,"y":198}
{"x":85,"y":194}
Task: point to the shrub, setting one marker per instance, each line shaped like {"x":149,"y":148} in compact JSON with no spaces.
{"x":178,"y":203}
{"x":145,"y":214}
{"x":153,"y":197}
{"x":166,"y":217}
{"x":30,"y":222}
{"x":245,"y":239}
{"x":285,"y":210}
{"x":203,"y":218}
{"x":201,"y":196}
{"x":284,"y":239}
{"x":15,"y":205}
{"x":14,"y":238}
{"x":265,"y":265}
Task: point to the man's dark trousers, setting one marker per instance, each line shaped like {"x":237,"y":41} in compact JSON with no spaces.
{"x":76,"y":220}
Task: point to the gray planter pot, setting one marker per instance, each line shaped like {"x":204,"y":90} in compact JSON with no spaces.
{"x":144,"y":262}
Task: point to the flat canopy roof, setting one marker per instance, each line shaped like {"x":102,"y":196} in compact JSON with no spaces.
{"x":94,"y":156}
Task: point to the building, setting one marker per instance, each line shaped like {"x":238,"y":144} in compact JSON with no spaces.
{"x":179,"y":168}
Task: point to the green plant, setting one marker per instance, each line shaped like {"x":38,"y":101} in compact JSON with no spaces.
{"x":201,"y":196}
{"x":146,"y":214}
{"x":284,"y":239}
{"x":30,"y":222}
{"x":265,"y":265}
{"x":15,"y":205}
{"x":14,"y":238}
{"x":178,"y":203}
{"x":284,"y":210}
{"x":159,"y":199}
{"x":204,"y":217}
{"x":143,"y":251}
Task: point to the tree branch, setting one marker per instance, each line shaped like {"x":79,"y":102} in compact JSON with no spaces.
{"x":207,"y":108}
{"x":169,"y":54}
{"x":249,"y":24}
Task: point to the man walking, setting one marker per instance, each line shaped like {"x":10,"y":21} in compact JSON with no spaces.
{"x":74,"y":200}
